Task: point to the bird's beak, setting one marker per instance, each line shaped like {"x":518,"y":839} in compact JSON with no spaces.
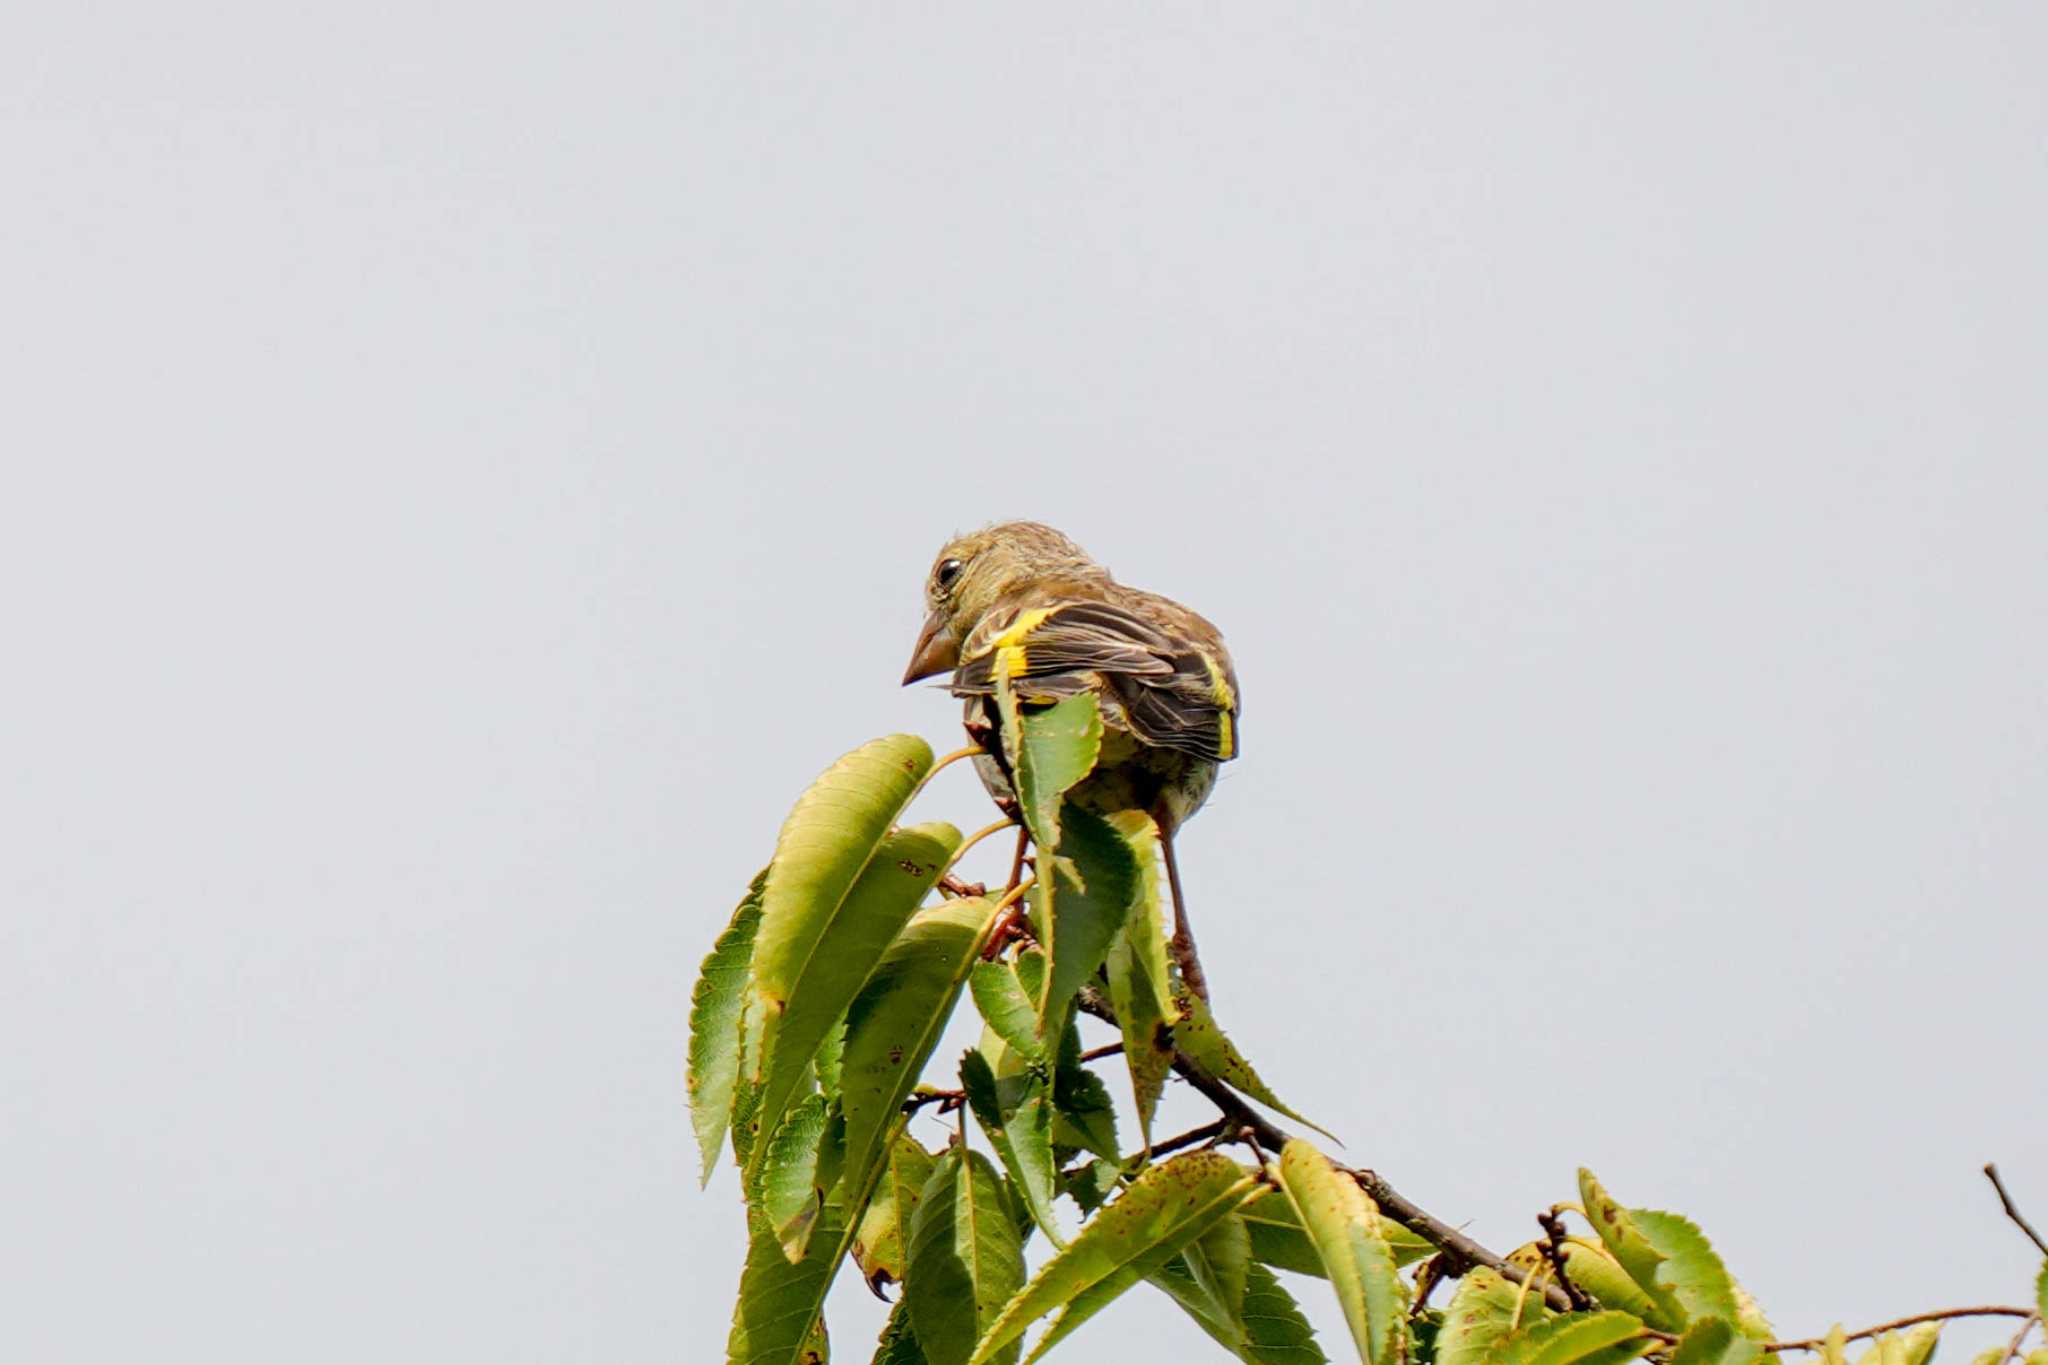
{"x":935,"y":653}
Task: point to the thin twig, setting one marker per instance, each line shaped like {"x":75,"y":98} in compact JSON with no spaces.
{"x":1461,"y":1252}
{"x":1189,"y":1139}
{"x":1096,"y":1054}
{"x":1991,"y":1171}
{"x":1553,"y":1247}
{"x":1990,"y":1310}
{"x":2012,"y":1350}
{"x":947,"y":1100}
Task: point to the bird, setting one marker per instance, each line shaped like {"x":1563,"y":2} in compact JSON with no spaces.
{"x":1024,"y":595}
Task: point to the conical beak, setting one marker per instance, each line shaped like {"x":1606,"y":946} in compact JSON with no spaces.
{"x":935,"y":652}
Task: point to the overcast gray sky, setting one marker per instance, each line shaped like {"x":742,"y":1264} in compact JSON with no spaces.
{"x":471,"y":465}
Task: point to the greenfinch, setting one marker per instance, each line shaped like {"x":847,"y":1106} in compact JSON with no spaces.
{"x":1022,"y":597}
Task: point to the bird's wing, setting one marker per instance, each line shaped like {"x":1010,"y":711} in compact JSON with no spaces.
{"x":1172,"y":692}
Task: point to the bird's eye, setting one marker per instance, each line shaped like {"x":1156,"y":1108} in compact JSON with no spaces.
{"x":947,"y":571}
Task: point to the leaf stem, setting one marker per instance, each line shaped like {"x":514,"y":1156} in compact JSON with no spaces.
{"x":976,"y":838}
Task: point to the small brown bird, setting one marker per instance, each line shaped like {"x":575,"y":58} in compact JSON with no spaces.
{"x":1159,"y":673}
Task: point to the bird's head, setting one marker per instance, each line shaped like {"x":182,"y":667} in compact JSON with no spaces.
{"x":975,"y":571}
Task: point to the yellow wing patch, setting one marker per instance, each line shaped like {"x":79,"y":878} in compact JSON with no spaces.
{"x":1219,"y":690}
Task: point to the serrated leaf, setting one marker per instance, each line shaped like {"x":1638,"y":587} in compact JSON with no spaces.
{"x":746,"y":1100}
{"x":780,"y":1301}
{"x":1834,"y":1347}
{"x":899,"y":1345}
{"x":787,"y":1188}
{"x":1910,"y":1347}
{"x":880,"y":1244}
{"x":1098,"y":883}
{"x":825,"y":1065}
{"x":1749,"y":1316}
{"x":1167,"y":1207}
{"x":1052,"y":750}
{"x":1083,"y":1113}
{"x":1278,"y":1238}
{"x":1486,"y":1309}
{"x":1199,"y":1036}
{"x":966,"y":1261}
{"x":826,"y":841}
{"x":1606,"y":1338}
{"x":1344,"y":1225}
{"x":1715,"y":1341}
{"x":895,"y":1022}
{"x":852,"y":936}
{"x":1208,"y":1280}
{"x":1140,"y":979}
{"x":1691,"y":1268}
{"x":1007,"y":1009}
{"x":1091,"y":1183}
{"x":2041,"y":1293}
{"x":716,"y":1007}
{"x":1277,"y":1332}
{"x":1633,"y":1251}
{"x":1022,"y":1136}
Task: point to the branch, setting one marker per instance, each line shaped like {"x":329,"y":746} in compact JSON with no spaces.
{"x":1553,"y":1247}
{"x":1937,"y":1315}
{"x":1461,"y":1253}
{"x":1991,"y":1172}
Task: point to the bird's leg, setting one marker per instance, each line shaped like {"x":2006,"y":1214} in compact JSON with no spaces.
{"x":1184,"y":955}
{"x":1017,"y":863}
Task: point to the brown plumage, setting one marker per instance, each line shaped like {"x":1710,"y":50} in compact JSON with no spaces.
{"x":1022,"y":595}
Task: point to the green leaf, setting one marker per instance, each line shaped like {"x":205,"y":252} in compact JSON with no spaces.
{"x":1598,"y":1338}
{"x":788,"y":1190}
{"x":1487,"y":1308}
{"x":965,"y":1258}
{"x":1083,"y":1113}
{"x":1199,"y":1037}
{"x":1279,"y":1239}
{"x":716,"y":1006}
{"x":898,"y":1345}
{"x":881,"y":1242}
{"x":1022,"y":1137}
{"x":780,"y":1302}
{"x":1090,"y":1184}
{"x":1099,"y":883}
{"x":1594,"y":1270}
{"x":1278,"y":1332}
{"x":825,"y":843}
{"x":1910,"y":1347}
{"x":746,"y":1100}
{"x":852,"y":936}
{"x":1166,"y":1208}
{"x":1140,"y":980}
{"x":1749,"y":1316}
{"x":1697,"y":1278}
{"x":1714,"y":1341}
{"x":1834,"y":1347}
{"x":1633,"y":1251}
{"x":1345,"y":1227}
{"x":1208,"y":1280}
{"x":895,"y":1022}
{"x":2041,"y":1292}
{"x":1049,"y":751}
{"x":1007,"y":1008}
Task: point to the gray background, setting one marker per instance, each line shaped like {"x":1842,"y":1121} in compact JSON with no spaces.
{"x":469,"y":466}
